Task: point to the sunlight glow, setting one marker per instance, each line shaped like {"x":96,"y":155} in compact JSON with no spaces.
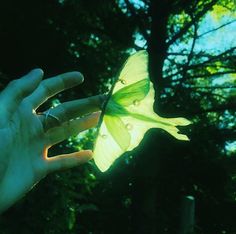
{"x":230,"y":146}
{"x":129,"y":113}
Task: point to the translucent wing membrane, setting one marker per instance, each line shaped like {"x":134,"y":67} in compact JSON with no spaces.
{"x":134,"y":70}
{"x":118,"y":131}
{"x":129,"y":114}
{"x":106,"y":150}
{"x":134,"y":92}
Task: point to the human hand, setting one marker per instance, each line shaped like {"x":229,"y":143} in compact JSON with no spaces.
{"x":26,"y":136}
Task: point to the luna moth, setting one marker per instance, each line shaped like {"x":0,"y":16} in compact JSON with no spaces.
{"x":128,"y":113}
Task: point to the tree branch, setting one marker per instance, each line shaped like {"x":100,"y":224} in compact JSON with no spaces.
{"x":217,"y":109}
{"x":215,"y":29}
{"x":208,"y":75}
{"x":190,"y":55}
{"x":189,"y":24}
{"x":138,"y":19}
{"x":211,"y":87}
{"x":194,"y":66}
{"x":213,"y":58}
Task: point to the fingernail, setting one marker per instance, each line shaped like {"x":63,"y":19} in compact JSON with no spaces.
{"x":37,"y":70}
{"x":89,"y":154}
{"x":94,"y":116}
{"x":79,"y":76}
{"x":97,"y":113}
{"x":103,"y":98}
{"x":35,"y":73}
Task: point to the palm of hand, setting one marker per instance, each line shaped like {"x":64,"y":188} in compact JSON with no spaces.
{"x":23,"y":149}
{"x":22,"y":152}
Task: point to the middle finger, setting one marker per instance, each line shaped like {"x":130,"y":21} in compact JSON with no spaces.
{"x":73,"y":109}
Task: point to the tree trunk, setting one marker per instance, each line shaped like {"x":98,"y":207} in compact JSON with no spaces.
{"x":145,"y":189}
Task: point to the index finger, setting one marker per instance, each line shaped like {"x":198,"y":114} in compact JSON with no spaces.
{"x":54,"y":85}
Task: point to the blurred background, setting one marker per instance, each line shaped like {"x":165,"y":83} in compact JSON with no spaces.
{"x":192,"y":63}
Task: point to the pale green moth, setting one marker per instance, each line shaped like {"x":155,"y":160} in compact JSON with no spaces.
{"x":128,"y":113}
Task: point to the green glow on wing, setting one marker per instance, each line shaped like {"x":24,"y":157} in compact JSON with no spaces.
{"x":134,"y":92}
{"x":129,"y":113}
{"x":118,"y":131}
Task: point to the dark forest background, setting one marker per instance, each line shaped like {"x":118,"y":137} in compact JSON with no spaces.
{"x":142,"y":192}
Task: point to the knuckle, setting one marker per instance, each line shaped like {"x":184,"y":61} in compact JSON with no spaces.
{"x":26,"y":104}
{"x":46,"y":88}
{"x":16,"y":87}
{"x":14,"y":84}
{"x":71,"y":79}
{"x":62,"y":82}
{"x":52,"y":85}
{"x":59,"y":81}
{"x":59,"y":109}
{"x":63,"y":112}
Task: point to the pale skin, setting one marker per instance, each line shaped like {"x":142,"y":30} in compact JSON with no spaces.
{"x":25,"y":139}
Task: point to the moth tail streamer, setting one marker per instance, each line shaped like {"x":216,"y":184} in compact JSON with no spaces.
{"x":170,"y":125}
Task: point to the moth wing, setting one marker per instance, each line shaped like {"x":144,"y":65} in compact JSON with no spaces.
{"x":149,"y":119}
{"x":113,"y":140}
{"x":134,"y":70}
